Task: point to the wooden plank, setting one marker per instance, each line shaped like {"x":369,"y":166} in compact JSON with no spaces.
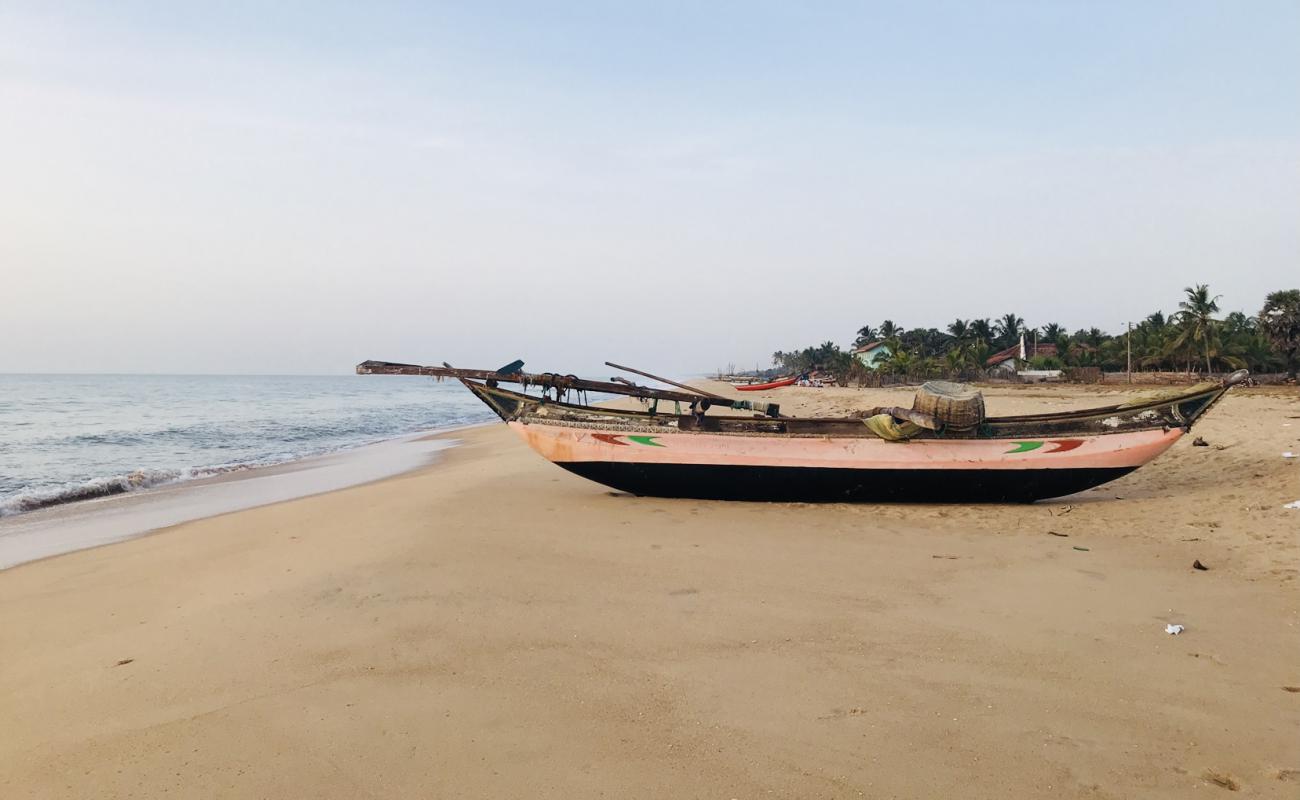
{"x":709,"y":395}
{"x":544,"y":380}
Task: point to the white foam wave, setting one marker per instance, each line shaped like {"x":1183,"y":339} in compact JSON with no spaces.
{"x":134,"y":481}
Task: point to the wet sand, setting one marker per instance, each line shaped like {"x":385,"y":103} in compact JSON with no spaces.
{"x":68,"y":527}
{"x":491,"y":626}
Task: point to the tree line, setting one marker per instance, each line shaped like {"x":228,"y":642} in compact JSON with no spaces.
{"x":1192,"y":339}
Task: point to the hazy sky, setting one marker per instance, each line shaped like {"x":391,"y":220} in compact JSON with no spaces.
{"x":295,"y":187}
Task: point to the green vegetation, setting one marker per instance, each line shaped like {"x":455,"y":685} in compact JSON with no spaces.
{"x":1192,"y":339}
{"x":1280,"y":324}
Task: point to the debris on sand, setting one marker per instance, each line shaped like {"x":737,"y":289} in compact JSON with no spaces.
{"x":1173,"y":630}
{"x":124,"y":662}
{"x":1219,"y":779}
{"x":1200,"y":442}
{"x":1054,"y":533}
{"x":1198,"y":565}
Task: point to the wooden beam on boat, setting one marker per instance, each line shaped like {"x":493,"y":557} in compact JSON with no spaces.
{"x":709,"y":395}
{"x":546,"y":380}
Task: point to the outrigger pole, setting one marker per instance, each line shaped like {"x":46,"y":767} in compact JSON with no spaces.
{"x":562,"y":383}
{"x":709,"y":395}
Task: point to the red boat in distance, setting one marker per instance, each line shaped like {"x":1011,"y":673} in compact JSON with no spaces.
{"x":777,"y":384}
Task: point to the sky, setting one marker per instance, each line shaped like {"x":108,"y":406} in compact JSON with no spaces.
{"x":295,"y":187}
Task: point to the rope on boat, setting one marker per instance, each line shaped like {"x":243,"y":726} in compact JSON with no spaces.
{"x":671,"y":425}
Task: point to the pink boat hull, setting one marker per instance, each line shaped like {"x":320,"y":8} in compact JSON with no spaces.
{"x":689,"y":464}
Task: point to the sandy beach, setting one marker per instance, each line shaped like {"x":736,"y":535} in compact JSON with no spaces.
{"x":491,"y":626}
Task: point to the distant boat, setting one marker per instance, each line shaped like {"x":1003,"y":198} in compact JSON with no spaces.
{"x":776,"y":384}
{"x":942,"y":450}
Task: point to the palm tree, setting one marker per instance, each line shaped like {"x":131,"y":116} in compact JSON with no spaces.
{"x":899,"y":361}
{"x":866,"y":335}
{"x":925,"y":341}
{"x":981,"y":330}
{"x":1256,"y":353}
{"x":955,"y":359}
{"x":1197,"y":319}
{"x":1052,"y":332}
{"x":1008,"y":329}
{"x":1280,"y":322}
{"x":1238,"y":323}
{"x":959,"y":329}
{"x":1150,"y":341}
{"x":888,"y":330}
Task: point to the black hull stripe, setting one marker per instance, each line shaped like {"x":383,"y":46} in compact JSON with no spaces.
{"x":830,"y":485}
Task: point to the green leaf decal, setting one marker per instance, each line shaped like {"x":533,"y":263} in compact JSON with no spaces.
{"x":646,"y":440}
{"x":1025,"y":447}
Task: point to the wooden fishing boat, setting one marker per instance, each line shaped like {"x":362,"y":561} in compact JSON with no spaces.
{"x":670,"y":446}
{"x":776,"y":384}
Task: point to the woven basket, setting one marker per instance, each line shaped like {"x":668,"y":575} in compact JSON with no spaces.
{"x":954,"y":404}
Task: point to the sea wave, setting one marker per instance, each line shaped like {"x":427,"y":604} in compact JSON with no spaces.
{"x":23,"y":502}
{"x":71,"y":438}
{"x":133,"y":481}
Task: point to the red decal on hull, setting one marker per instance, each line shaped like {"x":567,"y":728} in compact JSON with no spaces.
{"x":1065,"y":444}
{"x":608,"y":438}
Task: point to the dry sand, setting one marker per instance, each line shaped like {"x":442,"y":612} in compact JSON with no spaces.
{"x":494,"y":627}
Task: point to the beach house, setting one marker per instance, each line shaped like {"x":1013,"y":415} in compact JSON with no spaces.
{"x":870,"y":355}
{"x":1015,"y":359}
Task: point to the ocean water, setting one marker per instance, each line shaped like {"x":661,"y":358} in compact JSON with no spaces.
{"x":73,"y":437}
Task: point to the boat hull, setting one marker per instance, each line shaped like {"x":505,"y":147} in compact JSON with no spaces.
{"x":840,"y":485}
{"x":762,"y":387}
{"x":829,"y":469}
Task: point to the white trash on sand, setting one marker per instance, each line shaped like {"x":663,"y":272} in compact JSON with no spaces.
{"x":1296,"y":504}
{"x":1173,"y":629}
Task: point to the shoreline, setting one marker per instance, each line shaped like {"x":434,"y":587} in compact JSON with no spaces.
{"x":67,"y":527}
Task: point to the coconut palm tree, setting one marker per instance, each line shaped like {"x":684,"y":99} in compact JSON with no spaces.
{"x":959,"y":329}
{"x":982,"y":330}
{"x":888,"y":330}
{"x":1052,"y":332}
{"x":899,"y":361}
{"x":1237,"y":323}
{"x":866,"y":335}
{"x":956,"y":359}
{"x":925,"y":341}
{"x":1196,"y":317}
{"x":1150,"y":341}
{"x":1008,"y":329}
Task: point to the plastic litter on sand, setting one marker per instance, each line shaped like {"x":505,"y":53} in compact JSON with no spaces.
{"x":1288,"y":454}
{"x":1296,"y":504}
{"x":1173,"y":630}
